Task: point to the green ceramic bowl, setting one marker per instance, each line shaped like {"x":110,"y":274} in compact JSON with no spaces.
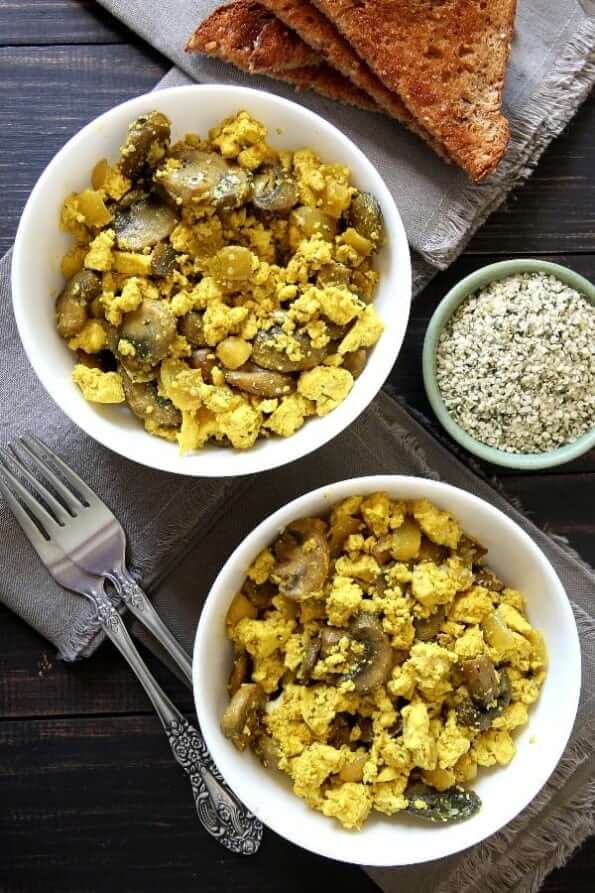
{"x":468,"y":285}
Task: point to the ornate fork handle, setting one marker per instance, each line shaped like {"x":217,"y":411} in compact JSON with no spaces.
{"x":138,"y":604}
{"x":219,"y":810}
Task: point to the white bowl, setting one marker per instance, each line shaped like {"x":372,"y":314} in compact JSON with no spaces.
{"x":39,"y":246}
{"x":505,"y":791}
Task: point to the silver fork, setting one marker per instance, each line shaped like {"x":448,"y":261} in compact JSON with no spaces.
{"x":95,"y":540}
{"x":219,"y":810}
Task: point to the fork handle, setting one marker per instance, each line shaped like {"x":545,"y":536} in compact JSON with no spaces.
{"x":218,"y":808}
{"x":138,"y":604}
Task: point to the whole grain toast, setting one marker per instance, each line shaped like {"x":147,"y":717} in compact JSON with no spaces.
{"x":320,"y":33}
{"x":263,"y":42}
{"x":446,"y":59}
{"x":248,"y":36}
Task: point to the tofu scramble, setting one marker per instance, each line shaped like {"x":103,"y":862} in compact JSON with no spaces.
{"x":220,"y":288}
{"x":379,"y":663}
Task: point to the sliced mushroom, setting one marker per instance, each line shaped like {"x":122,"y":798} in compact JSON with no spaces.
{"x":470,"y":550}
{"x":231,"y":264}
{"x":260,"y":382}
{"x":71,"y":304}
{"x":333,"y":273}
{"x":242,"y":714}
{"x":303,"y":559}
{"x":487,"y":578}
{"x":478,"y":717}
{"x":275,"y":191}
{"x":204,"y":359}
{"x":151,"y":330}
{"x":429,"y":627}
{"x":143,"y":224}
{"x":163,"y":259}
{"x":233,"y":189}
{"x":267,"y":354}
{"x":452,"y":805}
{"x":481,"y":679}
{"x":260,"y":594}
{"x":192,"y":328}
{"x":145,"y":402}
{"x":375,"y":665}
{"x":239,"y":671}
{"x":329,"y":639}
{"x":268,"y":751}
{"x":149,"y":130}
{"x":311,"y":655}
{"x":196,"y":178}
{"x":366,"y":217}
{"x":355,"y":362}
{"x":339,"y":731}
{"x":430,"y":551}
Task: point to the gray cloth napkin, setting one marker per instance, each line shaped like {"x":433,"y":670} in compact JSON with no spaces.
{"x":549,"y":74}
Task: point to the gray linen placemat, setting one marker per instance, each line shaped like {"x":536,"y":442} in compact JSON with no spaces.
{"x":549,"y":74}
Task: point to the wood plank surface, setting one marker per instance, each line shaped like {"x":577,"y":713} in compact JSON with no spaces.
{"x":90,"y":799}
{"x":41,"y":22}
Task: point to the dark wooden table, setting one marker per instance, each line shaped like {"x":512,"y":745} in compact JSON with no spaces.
{"x":90,"y":799}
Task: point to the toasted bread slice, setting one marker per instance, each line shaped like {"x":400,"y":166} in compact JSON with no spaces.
{"x":446,"y":60}
{"x":317,"y":31}
{"x":248,"y":36}
{"x":248,"y":29}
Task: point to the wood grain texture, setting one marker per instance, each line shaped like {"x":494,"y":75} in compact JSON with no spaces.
{"x":98,"y":804}
{"x":90,"y":799}
{"x":27,"y":22}
{"x":67,"y":87}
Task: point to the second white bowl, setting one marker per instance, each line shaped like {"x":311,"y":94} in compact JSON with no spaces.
{"x":39,"y":246}
{"x":505,"y":791}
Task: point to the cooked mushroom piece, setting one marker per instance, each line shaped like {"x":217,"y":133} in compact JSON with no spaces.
{"x":163,"y":259}
{"x":375,"y":665}
{"x":481,"y":679}
{"x":143,"y":224}
{"x":242,"y":714}
{"x":303,"y":559}
{"x":275,"y":191}
{"x":266,"y":352}
{"x":452,"y":805}
{"x":233,"y":189}
{"x":268,"y":751}
{"x":197,"y":176}
{"x":152,"y":129}
{"x":355,"y":362}
{"x":71,"y":304}
{"x":429,"y":627}
{"x":477,"y":717}
{"x":145,"y":402}
{"x":260,"y":382}
{"x":487,"y":578}
{"x":329,"y":639}
{"x":204,"y":359}
{"x":192,"y":328}
{"x":333,"y":273}
{"x":470,"y":550}
{"x":365,"y":216}
{"x":151,"y":330}
{"x":260,"y":594}
{"x":311,"y":655}
{"x":339,"y":731}
{"x":239,"y":671}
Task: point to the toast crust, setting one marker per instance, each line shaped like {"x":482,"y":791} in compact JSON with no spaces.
{"x":446,"y":59}
{"x":248,"y":30}
{"x":248,"y":36}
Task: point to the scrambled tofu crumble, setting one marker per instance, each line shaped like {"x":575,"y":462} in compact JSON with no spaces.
{"x":379,"y":663}
{"x":221,"y":288}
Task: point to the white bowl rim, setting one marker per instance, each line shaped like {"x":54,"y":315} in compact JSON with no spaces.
{"x":296,"y":508}
{"x":249,"y":461}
